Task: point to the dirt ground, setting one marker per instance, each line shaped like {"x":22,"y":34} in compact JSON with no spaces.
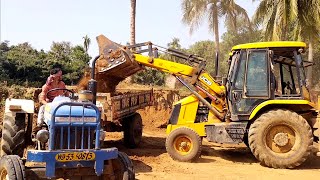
{"x":151,"y":161}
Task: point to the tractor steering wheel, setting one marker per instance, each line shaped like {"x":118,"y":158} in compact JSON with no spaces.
{"x":51,"y":97}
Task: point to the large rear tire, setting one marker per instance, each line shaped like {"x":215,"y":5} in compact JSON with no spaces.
{"x":12,"y":168}
{"x":132,"y":130}
{"x":184,"y":144}
{"x":280,"y":139}
{"x":13,"y":134}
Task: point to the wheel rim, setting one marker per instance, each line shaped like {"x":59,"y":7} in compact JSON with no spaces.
{"x":4,"y":175}
{"x":183,"y":145}
{"x":281,"y":138}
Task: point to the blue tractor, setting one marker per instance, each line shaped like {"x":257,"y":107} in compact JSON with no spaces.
{"x":67,"y":146}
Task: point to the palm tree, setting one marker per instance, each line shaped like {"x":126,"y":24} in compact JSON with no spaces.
{"x":86,"y":43}
{"x":308,"y":23}
{"x":301,"y":18}
{"x":175,"y":43}
{"x":275,"y":17}
{"x":133,"y":22}
{"x":194,"y":11}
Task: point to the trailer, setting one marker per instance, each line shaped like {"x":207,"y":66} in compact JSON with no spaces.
{"x":119,"y":113}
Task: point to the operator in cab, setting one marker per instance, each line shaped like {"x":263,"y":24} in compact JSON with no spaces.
{"x":53,"y":81}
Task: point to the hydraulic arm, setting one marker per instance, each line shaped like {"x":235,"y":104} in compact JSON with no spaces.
{"x":122,"y":61}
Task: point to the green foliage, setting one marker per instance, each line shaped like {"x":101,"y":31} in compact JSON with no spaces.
{"x":316,"y":67}
{"x":206,"y":50}
{"x":295,"y":19}
{"x":149,"y":76}
{"x":23,"y":65}
{"x":4,"y":93}
{"x":4,"y":48}
{"x":244,"y":34}
{"x":194,"y":12}
{"x":291,"y":20}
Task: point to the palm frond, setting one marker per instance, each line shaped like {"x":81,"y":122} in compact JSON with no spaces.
{"x":261,"y":12}
{"x":193,"y":13}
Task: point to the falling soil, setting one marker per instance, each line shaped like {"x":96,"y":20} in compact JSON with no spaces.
{"x":105,"y":83}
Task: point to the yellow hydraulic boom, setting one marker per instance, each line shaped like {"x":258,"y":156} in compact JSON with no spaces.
{"x":122,"y":61}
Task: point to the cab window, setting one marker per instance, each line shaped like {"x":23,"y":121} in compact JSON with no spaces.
{"x":239,"y":79}
{"x":257,"y":81}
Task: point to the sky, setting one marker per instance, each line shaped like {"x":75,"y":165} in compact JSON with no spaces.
{"x":40,"y":22}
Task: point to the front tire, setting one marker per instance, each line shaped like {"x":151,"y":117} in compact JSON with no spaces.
{"x":280,"y":139}
{"x":12,"y":168}
{"x":123,"y":167}
{"x":184,"y":144}
{"x":13,"y":134}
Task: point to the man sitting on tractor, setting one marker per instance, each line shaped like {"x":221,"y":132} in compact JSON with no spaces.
{"x":53,"y":81}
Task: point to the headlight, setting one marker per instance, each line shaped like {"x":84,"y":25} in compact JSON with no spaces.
{"x":75,"y":119}
{"x":42,"y":135}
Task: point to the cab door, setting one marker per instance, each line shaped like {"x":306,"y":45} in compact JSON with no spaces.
{"x":249,"y":84}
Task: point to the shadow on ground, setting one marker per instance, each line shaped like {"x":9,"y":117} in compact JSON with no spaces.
{"x":141,"y":167}
{"x":149,"y":147}
{"x":233,"y":154}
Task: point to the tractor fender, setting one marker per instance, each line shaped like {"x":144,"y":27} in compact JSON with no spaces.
{"x":19,"y":105}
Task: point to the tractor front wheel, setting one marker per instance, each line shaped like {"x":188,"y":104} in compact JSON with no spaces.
{"x":280,"y":139}
{"x":12,"y":168}
{"x":123,"y":167}
{"x":184,"y":144}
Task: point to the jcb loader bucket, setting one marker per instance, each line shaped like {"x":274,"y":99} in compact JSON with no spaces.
{"x":115,"y":60}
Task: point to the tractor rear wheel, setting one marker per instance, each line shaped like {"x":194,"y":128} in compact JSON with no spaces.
{"x":12,"y":168}
{"x":132,"y":130}
{"x":184,"y":144}
{"x":13,"y":134}
{"x":280,"y":139}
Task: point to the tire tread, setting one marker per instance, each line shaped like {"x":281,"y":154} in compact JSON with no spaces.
{"x":257,"y":148}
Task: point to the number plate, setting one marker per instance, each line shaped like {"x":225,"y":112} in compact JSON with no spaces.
{"x":75,"y":156}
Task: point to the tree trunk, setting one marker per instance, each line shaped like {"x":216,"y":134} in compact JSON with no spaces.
{"x":133,"y":22}
{"x":216,"y":33}
{"x":310,"y":58}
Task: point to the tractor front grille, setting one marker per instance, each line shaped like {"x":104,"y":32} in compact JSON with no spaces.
{"x":75,"y":130}
{"x":74,"y":137}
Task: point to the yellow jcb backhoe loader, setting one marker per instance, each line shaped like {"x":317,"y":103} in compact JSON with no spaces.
{"x":263,"y":102}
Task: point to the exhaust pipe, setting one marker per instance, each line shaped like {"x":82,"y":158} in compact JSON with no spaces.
{"x":92,"y":84}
